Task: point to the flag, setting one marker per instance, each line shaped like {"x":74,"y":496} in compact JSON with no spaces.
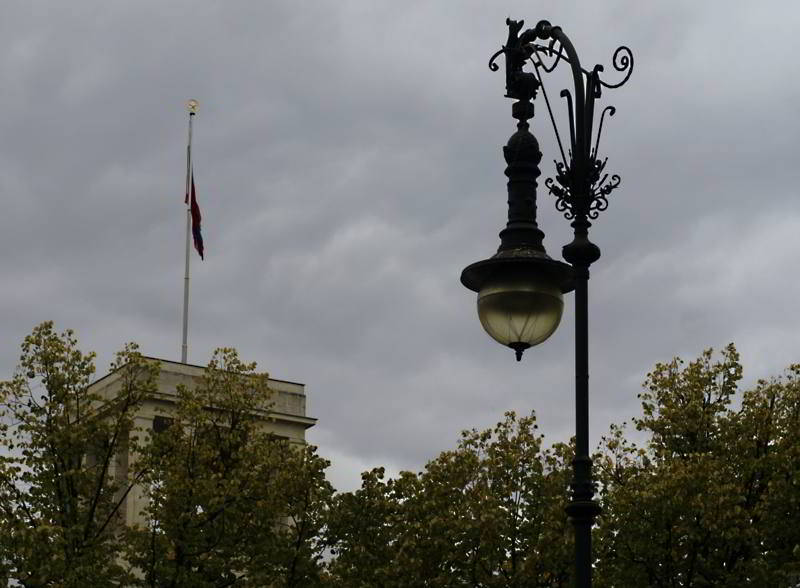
{"x":196,"y":218}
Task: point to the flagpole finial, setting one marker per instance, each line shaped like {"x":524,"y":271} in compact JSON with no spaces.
{"x":191,"y":106}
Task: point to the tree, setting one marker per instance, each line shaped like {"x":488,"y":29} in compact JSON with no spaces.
{"x":58,"y":444}
{"x":489,"y":513}
{"x":363,"y":529}
{"x":230,"y":503}
{"x":713,"y":499}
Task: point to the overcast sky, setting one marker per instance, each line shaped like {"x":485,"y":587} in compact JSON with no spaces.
{"x":349,"y":166}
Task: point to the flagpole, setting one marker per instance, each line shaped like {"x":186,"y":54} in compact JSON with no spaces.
{"x":192,"y":106}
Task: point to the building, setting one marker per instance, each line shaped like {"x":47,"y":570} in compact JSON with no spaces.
{"x":286,"y":417}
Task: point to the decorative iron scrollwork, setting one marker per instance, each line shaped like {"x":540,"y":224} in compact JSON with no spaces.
{"x":580,"y":185}
{"x":492,"y":65}
{"x":575,"y":197}
{"x":621,"y":60}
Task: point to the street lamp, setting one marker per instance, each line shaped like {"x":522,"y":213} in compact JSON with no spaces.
{"x":520,"y":288}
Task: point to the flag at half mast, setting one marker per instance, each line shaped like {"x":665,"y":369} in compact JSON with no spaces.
{"x":193,"y":219}
{"x":197,"y":236}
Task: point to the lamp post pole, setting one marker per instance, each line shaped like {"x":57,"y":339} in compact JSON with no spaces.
{"x":521,"y":267}
{"x":582,"y":510}
{"x":580,"y":253}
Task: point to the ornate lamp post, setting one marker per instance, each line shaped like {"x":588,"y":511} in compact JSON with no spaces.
{"x":520,"y":288}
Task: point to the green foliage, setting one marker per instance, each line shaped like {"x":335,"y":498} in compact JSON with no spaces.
{"x":489,"y":513}
{"x":709,"y":497}
{"x":230,"y":503}
{"x":713,"y":499}
{"x":58,"y":444}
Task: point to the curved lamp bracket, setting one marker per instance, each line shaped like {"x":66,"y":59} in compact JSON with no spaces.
{"x":581,"y":186}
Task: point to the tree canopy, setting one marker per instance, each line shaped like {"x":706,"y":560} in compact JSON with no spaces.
{"x":489,"y":513}
{"x":701,"y":489}
{"x":710,"y":497}
{"x":58,"y":443}
{"x":713,"y":497}
{"x":229,"y":504}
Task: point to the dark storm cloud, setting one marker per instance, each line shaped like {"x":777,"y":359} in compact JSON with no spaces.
{"x":348,"y":163}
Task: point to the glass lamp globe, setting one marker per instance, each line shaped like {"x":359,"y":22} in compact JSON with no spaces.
{"x":518,"y":311}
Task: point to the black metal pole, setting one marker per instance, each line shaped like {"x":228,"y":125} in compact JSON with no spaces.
{"x":581,"y":253}
{"x":582,"y":490}
{"x":582,"y":510}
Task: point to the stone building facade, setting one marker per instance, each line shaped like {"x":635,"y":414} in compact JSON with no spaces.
{"x":286,"y":416}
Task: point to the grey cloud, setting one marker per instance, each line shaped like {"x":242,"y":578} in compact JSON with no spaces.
{"x":348,"y":162}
